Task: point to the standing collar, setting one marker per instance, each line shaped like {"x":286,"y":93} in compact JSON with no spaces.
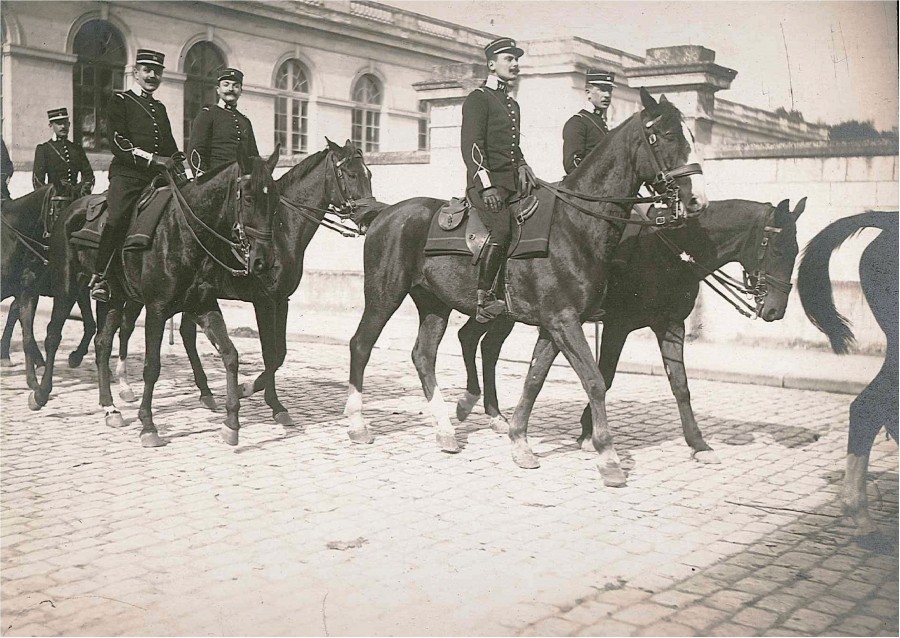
{"x":495,"y":83}
{"x":137,"y":90}
{"x":222,"y":105}
{"x":590,"y":108}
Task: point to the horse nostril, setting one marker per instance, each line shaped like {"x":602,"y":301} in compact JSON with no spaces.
{"x":259,"y":265}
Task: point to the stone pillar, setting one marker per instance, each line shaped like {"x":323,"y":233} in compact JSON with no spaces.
{"x":689,"y":77}
{"x":445,"y":93}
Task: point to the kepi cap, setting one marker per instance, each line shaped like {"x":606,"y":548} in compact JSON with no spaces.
{"x":502,"y":45}
{"x":154,"y":58}
{"x":55,"y":115}
{"x":230,"y":74}
{"x":600,"y":78}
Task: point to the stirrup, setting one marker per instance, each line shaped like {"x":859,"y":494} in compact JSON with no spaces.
{"x":488,"y":307}
{"x":99,"y":288}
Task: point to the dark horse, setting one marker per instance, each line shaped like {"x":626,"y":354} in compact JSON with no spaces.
{"x":25,"y":277}
{"x":335,"y":178}
{"x":557,"y":293}
{"x":657,"y":288}
{"x":224,"y":219}
{"x":877,"y":405}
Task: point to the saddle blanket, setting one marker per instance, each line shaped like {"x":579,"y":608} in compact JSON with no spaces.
{"x":143,"y":224}
{"x":529,"y":240}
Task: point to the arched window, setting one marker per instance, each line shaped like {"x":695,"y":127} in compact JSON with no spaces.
{"x":291,"y":108}
{"x":202,"y":62}
{"x":99,"y":71}
{"x":367,"y":113}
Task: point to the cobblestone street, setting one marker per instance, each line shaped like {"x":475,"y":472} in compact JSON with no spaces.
{"x":297,"y":531}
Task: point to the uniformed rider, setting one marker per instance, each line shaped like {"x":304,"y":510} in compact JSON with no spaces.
{"x":495,"y":168}
{"x":220,"y":130}
{"x":584,"y":130}
{"x":60,"y":162}
{"x":6,"y":171}
{"x":141,"y":141}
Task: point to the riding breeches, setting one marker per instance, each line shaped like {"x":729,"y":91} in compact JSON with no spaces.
{"x":121,"y":199}
{"x":499,"y":222}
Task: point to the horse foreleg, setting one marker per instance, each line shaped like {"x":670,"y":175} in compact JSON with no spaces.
{"x":62,"y":306}
{"x":376,"y":314}
{"x":154,"y":330}
{"x":611,"y":344}
{"x":11,"y":319}
{"x":129,"y":319}
{"x":671,"y":345}
{"x":109,"y":324}
{"x":89,"y":325}
{"x":497,"y":333}
{"x":268,"y":320}
{"x":545,"y":351}
{"x":469,"y":336}
{"x":569,"y":337}
{"x":188,"y":331}
{"x":27,"y":308}
{"x":433,"y":316}
{"x":213,"y":325}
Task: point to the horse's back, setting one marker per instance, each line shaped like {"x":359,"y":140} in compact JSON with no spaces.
{"x":403,"y":225}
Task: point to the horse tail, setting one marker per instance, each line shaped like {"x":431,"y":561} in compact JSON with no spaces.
{"x":814,"y":282}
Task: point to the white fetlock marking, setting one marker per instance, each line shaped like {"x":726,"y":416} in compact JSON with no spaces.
{"x":122,"y":370}
{"x":609,"y":457}
{"x":469,"y":400}
{"x":353,"y":410}
{"x":440,"y":413}
{"x":111,"y":409}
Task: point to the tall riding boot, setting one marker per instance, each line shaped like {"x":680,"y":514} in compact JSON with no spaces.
{"x":488,"y":307}
{"x":98,"y":284}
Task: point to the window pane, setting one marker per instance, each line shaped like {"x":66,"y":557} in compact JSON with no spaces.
{"x":202,"y":62}
{"x":101,"y":62}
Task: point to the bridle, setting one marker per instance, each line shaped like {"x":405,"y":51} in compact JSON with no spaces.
{"x":664,"y":186}
{"x":755,"y":283}
{"x":241,"y":233}
{"x":346,"y":206}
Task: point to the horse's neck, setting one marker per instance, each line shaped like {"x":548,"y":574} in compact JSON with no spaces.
{"x":309,"y":190}
{"x":610,"y":172}
{"x":731,"y":231}
{"x":24,"y":213}
{"x":211,"y":202}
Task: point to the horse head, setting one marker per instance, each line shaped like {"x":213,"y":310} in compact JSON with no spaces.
{"x":666,"y":160}
{"x":349,"y":187}
{"x":257,"y":201}
{"x":770,"y":273}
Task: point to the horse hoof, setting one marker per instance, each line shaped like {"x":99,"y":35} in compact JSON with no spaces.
{"x":585,"y":444}
{"x":246,"y":390}
{"x":151,"y":439}
{"x":228,"y":435}
{"x":208,"y":402}
{"x":115,"y":420}
{"x":284,"y":418}
{"x":127,"y":394}
{"x":525,"y":459}
{"x":465,"y":404}
{"x":707,"y":456}
{"x":6,"y":363}
{"x":447,"y":443}
{"x":499,"y":424}
{"x":75,"y":360}
{"x":612,"y":475}
{"x":360,"y":436}
{"x":33,"y":403}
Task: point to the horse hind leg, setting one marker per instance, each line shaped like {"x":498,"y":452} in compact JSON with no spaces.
{"x":11,"y":319}
{"x":62,"y":305}
{"x":129,"y":319}
{"x":90,"y":328}
{"x":27,"y":308}
{"x":188,"y":331}
{"x":469,"y":336}
{"x":490,"y":353}
{"x":433,"y":316}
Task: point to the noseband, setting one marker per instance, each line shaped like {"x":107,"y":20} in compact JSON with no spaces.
{"x":757,"y":282}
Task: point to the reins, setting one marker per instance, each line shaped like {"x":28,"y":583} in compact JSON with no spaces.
{"x":30,"y":243}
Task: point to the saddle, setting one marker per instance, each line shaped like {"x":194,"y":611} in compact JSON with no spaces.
{"x":447,"y":234}
{"x":148,"y":211}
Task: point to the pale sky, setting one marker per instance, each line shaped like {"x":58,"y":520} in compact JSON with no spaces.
{"x":843,"y":55}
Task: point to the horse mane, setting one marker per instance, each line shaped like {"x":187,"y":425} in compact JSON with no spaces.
{"x":301,"y":170}
{"x":211,"y":173}
{"x":24,"y":213}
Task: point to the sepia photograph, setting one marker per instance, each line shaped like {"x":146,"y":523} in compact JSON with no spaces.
{"x":449,"y":318}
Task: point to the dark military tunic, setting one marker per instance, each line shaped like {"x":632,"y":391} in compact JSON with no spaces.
{"x":216,"y":135}
{"x":6,"y":171}
{"x":490,"y":139}
{"x":61,"y":162}
{"x":581,"y":134}
{"x":141,"y":122}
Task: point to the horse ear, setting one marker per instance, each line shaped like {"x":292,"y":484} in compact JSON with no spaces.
{"x":272,"y":162}
{"x":647,"y":100}
{"x":798,"y":210}
{"x":663,"y":99}
{"x":784,"y":206}
{"x":331,"y":145}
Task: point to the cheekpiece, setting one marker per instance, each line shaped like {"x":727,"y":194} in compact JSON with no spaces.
{"x":502,"y":45}
{"x":147,"y":56}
